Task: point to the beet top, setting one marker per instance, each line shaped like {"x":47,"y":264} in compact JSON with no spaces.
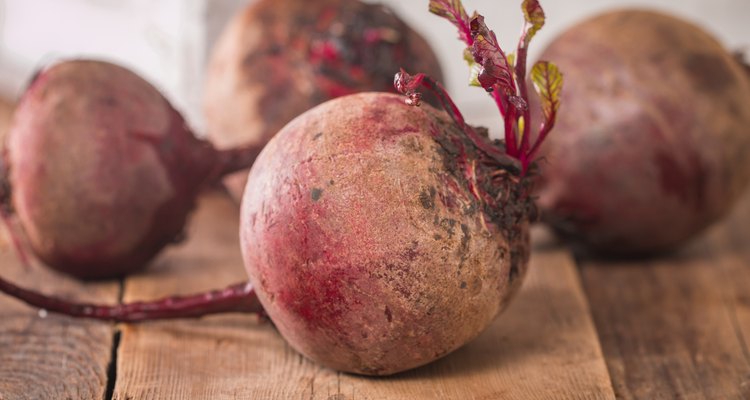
{"x":279,"y":58}
{"x":654,"y":143}
{"x":102,"y":170}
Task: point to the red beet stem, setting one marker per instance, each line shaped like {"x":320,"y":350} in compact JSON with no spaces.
{"x":237,"y":159}
{"x":408,"y":85}
{"x":524,"y":94}
{"x":543,"y":132}
{"x":239,"y":298}
{"x":503,"y":77}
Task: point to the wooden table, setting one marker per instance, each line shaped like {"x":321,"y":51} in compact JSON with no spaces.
{"x":668,"y":328}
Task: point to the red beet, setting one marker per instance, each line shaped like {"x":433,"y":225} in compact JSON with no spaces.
{"x":366,"y":231}
{"x":279,"y":58}
{"x":654,"y":143}
{"x":103,"y":170}
{"x":381,"y":236}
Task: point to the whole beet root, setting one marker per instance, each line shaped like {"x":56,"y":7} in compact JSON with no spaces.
{"x":279,"y":58}
{"x":654,"y":143}
{"x":101,"y":170}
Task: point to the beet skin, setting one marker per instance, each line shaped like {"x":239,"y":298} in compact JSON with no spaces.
{"x":103,"y":170}
{"x":654,"y":139}
{"x":367,"y":243}
{"x":279,"y":58}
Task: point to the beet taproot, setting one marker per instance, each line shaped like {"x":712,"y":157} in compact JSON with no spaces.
{"x":102,"y":170}
{"x":653,"y":145}
{"x":391,"y":261}
{"x":380,"y":234}
{"x":279,"y":58}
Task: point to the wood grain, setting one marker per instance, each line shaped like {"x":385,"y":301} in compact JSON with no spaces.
{"x":53,"y":357}
{"x":678,"y":326}
{"x":544,"y":347}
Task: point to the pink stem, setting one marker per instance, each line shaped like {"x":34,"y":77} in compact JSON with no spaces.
{"x":510,"y":143}
{"x":407,"y":84}
{"x":523,"y":92}
{"x":546,"y":128}
{"x":512,"y":139}
{"x":239,"y":298}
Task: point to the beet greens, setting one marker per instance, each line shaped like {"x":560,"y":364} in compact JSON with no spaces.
{"x":503,"y":75}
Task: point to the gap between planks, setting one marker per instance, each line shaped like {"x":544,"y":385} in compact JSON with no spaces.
{"x":51,"y":357}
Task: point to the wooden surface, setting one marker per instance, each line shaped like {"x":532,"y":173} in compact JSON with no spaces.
{"x":677,"y":327}
{"x":51,"y":357}
{"x":239,"y":357}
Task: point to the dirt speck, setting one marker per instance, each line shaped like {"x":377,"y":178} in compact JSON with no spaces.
{"x":388,"y":314}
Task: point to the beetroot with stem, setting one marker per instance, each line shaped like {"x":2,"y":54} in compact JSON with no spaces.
{"x":278,"y":58}
{"x":654,"y":145}
{"x":380,"y":236}
{"x":101,"y":171}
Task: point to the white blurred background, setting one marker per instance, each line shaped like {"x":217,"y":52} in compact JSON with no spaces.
{"x":168,"y":41}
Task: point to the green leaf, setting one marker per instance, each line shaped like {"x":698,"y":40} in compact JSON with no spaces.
{"x":511,"y":59}
{"x":548,"y":82}
{"x":533,"y":14}
{"x":468,"y":57}
{"x":475,"y":70}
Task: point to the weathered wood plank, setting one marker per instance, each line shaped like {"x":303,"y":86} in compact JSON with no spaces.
{"x":209,"y":358}
{"x":677,"y":326}
{"x":53,"y":357}
{"x":544,"y":347}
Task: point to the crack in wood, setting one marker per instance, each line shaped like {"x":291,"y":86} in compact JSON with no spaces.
{"x":117,"y":335}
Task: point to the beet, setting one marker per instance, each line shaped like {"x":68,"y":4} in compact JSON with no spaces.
{"x":103,"y":170}
{"x":654,"y":143}
{"x":379,"y":235}
{"x":392,"y":261}
{"x":279,"y":58}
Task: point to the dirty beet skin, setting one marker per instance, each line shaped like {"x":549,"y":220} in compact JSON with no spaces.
{"x":654,"y":144}
{"x":389,"y":263}
{"x":279,"y":58}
